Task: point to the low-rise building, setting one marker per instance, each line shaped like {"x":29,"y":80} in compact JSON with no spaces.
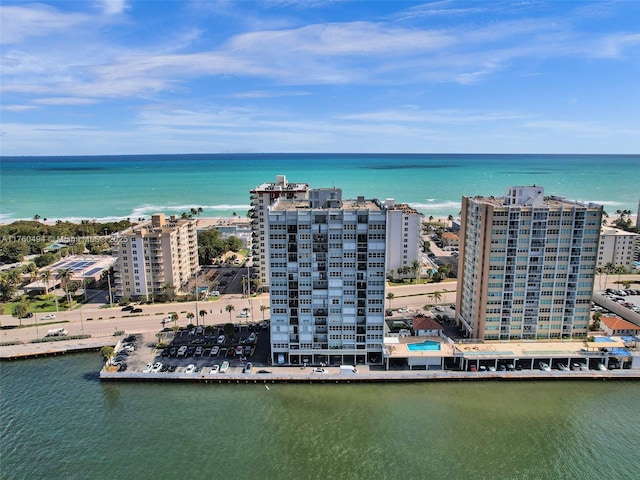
{"x":618,"y":248}
{"x":614,"y":325}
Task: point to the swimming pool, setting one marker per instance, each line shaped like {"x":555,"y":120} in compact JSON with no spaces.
{"x":421,"y":347}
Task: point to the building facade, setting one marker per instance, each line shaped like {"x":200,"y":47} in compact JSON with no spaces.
{"x":526,"y":265}
{"x":404,"y":235}
{"x":261,"y":197}
{"x":617,"y":248}
{"x":327,"y":279}
{"x":154,"y":254}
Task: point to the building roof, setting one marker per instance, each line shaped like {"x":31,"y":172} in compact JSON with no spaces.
{"x":420,"y":322}
{"x":450,"y":236}
{"x":616,"y":323}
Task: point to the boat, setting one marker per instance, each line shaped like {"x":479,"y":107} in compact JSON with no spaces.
{"x":224,"y":367}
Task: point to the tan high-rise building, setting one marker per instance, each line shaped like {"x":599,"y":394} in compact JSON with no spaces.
{"x":262,"y":197}
{"x":526,"y":265}
{"x":154,"y":254}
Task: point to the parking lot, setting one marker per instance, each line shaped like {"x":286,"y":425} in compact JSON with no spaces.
{"x":198,"y":350}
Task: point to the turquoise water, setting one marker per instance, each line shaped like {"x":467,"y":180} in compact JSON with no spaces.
{"x":59,"y":422}
{"x":110,"y":187}
{"x":424,"y":346}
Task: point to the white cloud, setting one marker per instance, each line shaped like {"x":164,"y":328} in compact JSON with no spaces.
{"x":35,"y":20}
{"x":112,"y":7}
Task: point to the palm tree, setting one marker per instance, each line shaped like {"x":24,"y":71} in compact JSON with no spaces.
{"x":599,"y":272}
{"x":390,"y":297}
{"x":444,"y":271}
{"x":190,"y":316}
{"x":450,"y":218}
{"x":203,"y":313}
{"x":46,"y":278}
{"x":174,"y":319}
{"x":619,"y":269}
{"x":609,"y":268}
{"x":263,"y":308}
{"x":65,"y":276}
{"x":229,"y":308}
{"x":437,"y":296}
{"x":415,"y":267}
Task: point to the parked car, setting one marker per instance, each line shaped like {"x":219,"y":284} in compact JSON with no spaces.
{"x":244,"y":314}
{"x":215,"y":369}
{"x":198,"y":352}
{"x":214,"y":351}
{"x":147,"y":368}
{"x":239,"y":350}
{"x":156,"y":367}
{"x":190,"y":368}
{"x":49,"y":316}
{"x":221,"y":339}
{"x":182,"y":351}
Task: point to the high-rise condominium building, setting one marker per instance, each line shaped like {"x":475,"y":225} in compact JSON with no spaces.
{"x":327,"y":279}
{"x":526,"y":265}
{"x":404,"y":235}
{"x":154,"y":254}
{"x":261,"y":198}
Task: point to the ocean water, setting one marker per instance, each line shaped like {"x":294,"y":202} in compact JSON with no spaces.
{"x":116,"y":187}
{"x":58,"y":421}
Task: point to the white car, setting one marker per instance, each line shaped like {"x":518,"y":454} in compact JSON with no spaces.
{"x":156,"y":367}
{"x":49,"y":316}
{"x":214,"y":351}
{"x":215,"y":369}
{"x":147,"y":368}
{"x":221,"y":339}
{"x":243,"y":314}
{"x":190,"y":368}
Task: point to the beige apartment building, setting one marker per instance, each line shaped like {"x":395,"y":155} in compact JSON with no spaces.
{"x":261,"y":198}
{"x":527,"y":265}
{"x":154,"y":254}
{"x":618,"y":247}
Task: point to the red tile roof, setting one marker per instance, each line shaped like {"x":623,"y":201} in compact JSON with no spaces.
{"x":617,"y":323}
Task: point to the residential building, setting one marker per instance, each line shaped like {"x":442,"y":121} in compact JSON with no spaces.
{"x":617,"y":247}
{"x":526,"y":265}
{"x":327,"y":279}
{"x":154,"y":254}
{"x":261,"y":197}
{"x":404,"y":235}
{"x":614,"y":325}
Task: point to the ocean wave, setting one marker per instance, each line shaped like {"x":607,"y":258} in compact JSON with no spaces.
{"x":442,"y":206}
{"x":148,"y":209}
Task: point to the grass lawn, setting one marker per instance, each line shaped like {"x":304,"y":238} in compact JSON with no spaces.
{"x":39,"y":304}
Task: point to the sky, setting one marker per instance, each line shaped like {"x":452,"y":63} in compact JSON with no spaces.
{"x":134,"y":77}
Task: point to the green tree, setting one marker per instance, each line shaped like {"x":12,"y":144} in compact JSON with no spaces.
{"x":107,"y":352}
{"x":174,"y":319}
{"x":169,"y":291}
{"x":390,"y":297}
{"x":64,"y":275}
{"x":7,"y":288}
{"x":437,"y":296}
{"x":190,"y":317}
{"x":203,"y":313}
{"x":229,"y":308}
{"x":20,"y":311}
{"x":415,"y":268}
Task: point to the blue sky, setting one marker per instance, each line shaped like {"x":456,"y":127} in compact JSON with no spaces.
{"x":118,"y":76}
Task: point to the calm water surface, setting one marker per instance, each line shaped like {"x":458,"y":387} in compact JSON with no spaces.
{"x":60,"y":422}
